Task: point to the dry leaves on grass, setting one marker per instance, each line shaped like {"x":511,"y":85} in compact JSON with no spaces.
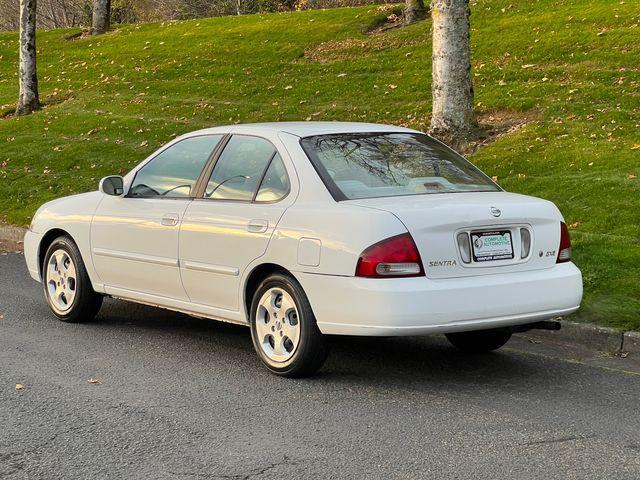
{"x":353,"y":48}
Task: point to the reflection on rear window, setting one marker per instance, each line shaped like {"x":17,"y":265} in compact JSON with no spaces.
{"x":366,"y":165}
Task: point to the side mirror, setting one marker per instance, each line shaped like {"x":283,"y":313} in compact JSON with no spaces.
{"x":113,"y":185}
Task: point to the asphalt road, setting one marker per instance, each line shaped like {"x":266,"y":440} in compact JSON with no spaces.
{"x":184,"y":398}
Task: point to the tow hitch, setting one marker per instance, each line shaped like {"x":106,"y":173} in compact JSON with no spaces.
{"x":543,"y":325}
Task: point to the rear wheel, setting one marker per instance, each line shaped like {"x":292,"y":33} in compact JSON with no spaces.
{"x":480,"y":340}
{"x":67,"y":287}
{"x":284,"y":330}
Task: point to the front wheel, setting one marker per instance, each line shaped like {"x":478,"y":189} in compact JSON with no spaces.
{"x":479,"y":341}
{"x":284,"y":330}
{"x":67,"y":286}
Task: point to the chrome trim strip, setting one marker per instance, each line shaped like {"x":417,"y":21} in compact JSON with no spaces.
{"x":136,"y":257}
{"x":205,"y":267}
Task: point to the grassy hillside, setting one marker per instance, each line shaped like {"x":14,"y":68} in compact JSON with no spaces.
{"x":571,"y":68}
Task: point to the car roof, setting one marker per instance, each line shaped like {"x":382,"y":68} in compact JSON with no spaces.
{"x":305,"y":129}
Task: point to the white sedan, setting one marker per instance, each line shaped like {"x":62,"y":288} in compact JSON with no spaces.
{"x":303,"y":230}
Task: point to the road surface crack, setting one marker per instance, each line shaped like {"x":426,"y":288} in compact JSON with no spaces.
{"x":255,"y":473}
{"x":569,"y":438}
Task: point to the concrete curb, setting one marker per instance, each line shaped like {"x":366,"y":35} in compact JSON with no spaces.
{"x":598,"y":338}
{"x":631,"y":343}
{"x":11,"y":238}
{"x":10,"y":233}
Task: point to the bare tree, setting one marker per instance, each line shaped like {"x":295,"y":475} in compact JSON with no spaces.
{"x":49,"y":13}
{"x":414,"y":10}
{"x":62,"y":13}
{"x":101,"y":16}
{"x":29,"y":99}
{"x":10,"y":16}
{"x":453,"y":119}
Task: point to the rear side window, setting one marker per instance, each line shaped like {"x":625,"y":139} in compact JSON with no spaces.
{"x":173,"y":173}
{"x":240,"y":168}
{"x":275,"y":184}
{"x":368,"y":165}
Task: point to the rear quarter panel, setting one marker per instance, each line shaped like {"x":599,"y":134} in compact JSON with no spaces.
{"x":342,"y":232}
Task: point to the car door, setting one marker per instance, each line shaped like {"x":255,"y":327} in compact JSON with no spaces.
{"x":134,"y":238}
{"x":231,"y":223}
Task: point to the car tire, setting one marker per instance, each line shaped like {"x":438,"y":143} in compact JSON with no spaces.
{"x":479,"y":341}
{"x":67,"y":286}
{"x":284,"y":330}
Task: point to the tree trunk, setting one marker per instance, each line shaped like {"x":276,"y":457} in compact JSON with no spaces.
{"x":29,"y":99}
{"x":413,"y":11}
{"x":101,"y":16}
{"x":452,"y":119}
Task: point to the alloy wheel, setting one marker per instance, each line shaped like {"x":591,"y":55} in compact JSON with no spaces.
{"x":277,"y":325}
{"x":61,"y":281}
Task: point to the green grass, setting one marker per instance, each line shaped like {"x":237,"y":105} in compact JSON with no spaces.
{"x":576,"y":64}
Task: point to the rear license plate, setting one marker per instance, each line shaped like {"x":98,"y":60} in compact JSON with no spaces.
{"x":489,"y":246}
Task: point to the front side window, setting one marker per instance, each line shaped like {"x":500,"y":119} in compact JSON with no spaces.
{"x":367,"y":165}
{"x":173,"y":173}
{"x":240,"y":168}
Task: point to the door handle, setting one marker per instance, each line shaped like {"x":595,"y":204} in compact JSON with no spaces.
{"x":258,"y":226}
{"x":170,"y":219}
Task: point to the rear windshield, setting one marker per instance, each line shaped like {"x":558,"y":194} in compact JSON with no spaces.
{"x":367,"y":165}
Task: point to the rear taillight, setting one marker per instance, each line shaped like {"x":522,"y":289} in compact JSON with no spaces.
{"x":394,"y":257}
{"x":564,"y":251}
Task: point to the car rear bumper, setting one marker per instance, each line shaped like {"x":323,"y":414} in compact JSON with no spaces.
{"x":31,"y":246}
{"x":416,"y":306}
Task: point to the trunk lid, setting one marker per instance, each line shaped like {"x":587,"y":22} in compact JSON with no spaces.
{"x":490,"y":219}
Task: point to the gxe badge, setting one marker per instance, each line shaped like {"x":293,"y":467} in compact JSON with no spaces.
{"x":495,"y":211}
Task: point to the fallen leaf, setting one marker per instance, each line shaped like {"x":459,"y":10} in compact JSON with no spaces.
{"x":94,"y":381}
{"x":631,"y":176}
{"x":392,"y":86}
{"x":494,"y":178}
{"x":340,"y":75}
{"x":288,"y":87}
{"x":574,"y":225}
{"x":19,"y":386}
{"x":144,"y":144}
{"x":636,"y":147}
